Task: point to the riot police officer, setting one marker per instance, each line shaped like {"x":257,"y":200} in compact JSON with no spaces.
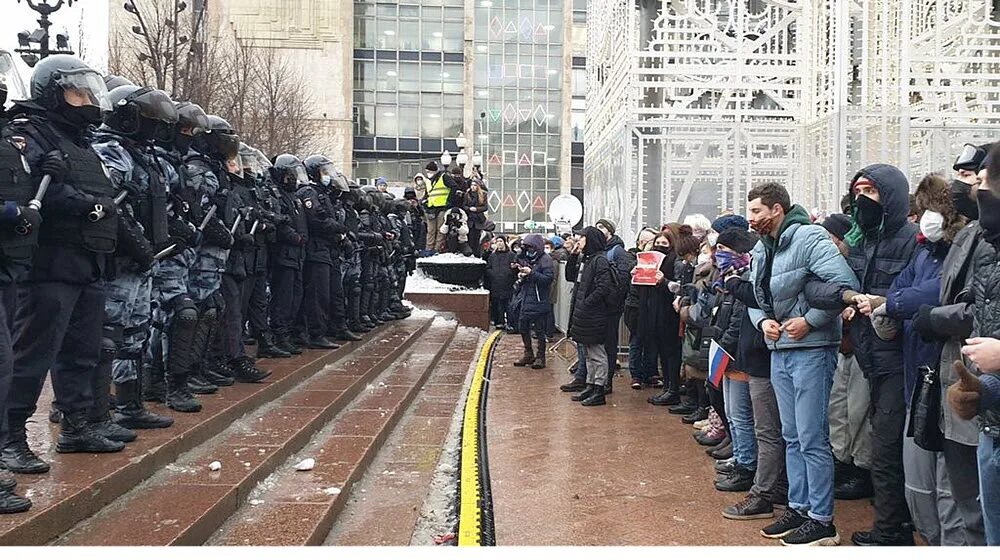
{"x":19,"y":226}
{"x":288,"y":252}
{"x":332,"y":182}
{"x":207,"y":185}
{"x":140,"y":116}
{"x":61,"y":304}
{"x":354,"y":257}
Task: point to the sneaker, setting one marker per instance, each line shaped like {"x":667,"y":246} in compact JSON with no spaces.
{"x":701,"y":424}
{"x":785,"y":525}
{"x":812,"y":533}
{"x":750,"y":507}
{"x":636,"y":384}
{"x":739,"y":480}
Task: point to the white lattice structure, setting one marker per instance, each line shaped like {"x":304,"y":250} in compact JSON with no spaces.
{"x":694,"y":101}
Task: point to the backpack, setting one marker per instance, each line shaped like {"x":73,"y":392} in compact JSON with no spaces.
{"x":620,"y":280}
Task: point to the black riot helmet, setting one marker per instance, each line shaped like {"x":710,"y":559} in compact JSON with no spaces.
{"x":112,"y":81}
{"x":219,"y":140}
{"x":362,"y":203}
{"x":289,"y":173}
{"x":386,"y":203}
{"x":971,"y":157}
{"x":141,"y":113}
{"x":67,"y":87}
{"x":254,"y":162}
{"x":191,"y":122}
{"x":320,"y":169}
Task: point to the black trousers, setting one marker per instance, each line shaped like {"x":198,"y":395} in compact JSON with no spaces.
{"x":888,"y":419}
{"x":231,"y":323}
{"x":611,"y":344}
{"x":315,"y":298}
{"x":286,"y":297}
{"x":8,"y":295}
{"x":255,"y":303}
{"x":337,"y":319}
{"x":498,"y":310}
{"x":58,"y":329}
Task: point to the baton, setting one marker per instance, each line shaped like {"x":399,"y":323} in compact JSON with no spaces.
{"x":253,"y":228}
{"x":36,"y":203}
{"x":204,"y":222}
{"x":236,"y":224}
{"x":98,"y":212}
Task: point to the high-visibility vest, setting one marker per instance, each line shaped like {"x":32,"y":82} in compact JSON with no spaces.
{"x":437,"y":196}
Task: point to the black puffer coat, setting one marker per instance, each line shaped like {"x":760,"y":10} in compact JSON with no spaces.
{"x":742,"y":340}
{"x":590,"y":310}
{"x":500,"y":277}
{"x":876,"y":261}
{"x":986,"y":321}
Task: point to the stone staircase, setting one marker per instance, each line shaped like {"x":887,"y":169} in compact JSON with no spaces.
{"x":337,"y":408}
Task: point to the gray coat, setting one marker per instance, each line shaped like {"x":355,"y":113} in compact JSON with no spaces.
{"x":803,"y":253}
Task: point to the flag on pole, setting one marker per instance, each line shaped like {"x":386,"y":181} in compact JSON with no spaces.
{"x":718,"y":361}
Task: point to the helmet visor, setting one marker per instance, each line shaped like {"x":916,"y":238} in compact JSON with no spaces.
{"x":156,"y":105}
{"x":85,"y":87}
{"x":301,"y":177}
{"x":234,"y":165}
{"x":228,"y":144}
{"x":12,"y":81}
{"x":970,"y":158}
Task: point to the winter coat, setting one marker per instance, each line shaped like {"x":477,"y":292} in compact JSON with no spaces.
{"x":877,"y":261}
{"x":802,"y":252}
{"x":918,"y":284}
{"x":461,"y":227}
{"x":500,"y":277}
{"x":623,"y":262}
{"x":741,"y":339}
{"x":697,"y":318}
{"x":953,"y":320}
{"x":477,"y":217}
{"x":590,"y":314}
{"x":632,"y":298}
{"x":535,"y":287}
{"x":656,"y":321}
{"x":986,"y":323}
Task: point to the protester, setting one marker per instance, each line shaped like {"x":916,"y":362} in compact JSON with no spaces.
{"x":500,"y":277}
{"x":592,"y":302}
{"x":535,"y":274}
{"x":658,"y":326}
{"x":475,"y":207}
{"x":642,"y":372}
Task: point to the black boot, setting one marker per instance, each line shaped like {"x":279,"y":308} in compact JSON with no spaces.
{"x":199,"y":385}
{"x":299,"y":340}
{"x":16,"y":456}
{"x":11,"y":503}
{"x":154,"y":383}
{"x":359,"y":327}
{"x":591,"y":388}
{"x":267,"y":348}
{"x":573,"y":386}
{"x":285,"y":344}
{"x":347,"y":336}
{"x":99,"y":415}
{"x":527,"y":359}
{"x":321,"y":343}
{"x":130,"y":412}
{"x":596,"y":398}
{"x":696,"y":416}
{"x":666,"y":398}
{"x":218,"y":372}
{"x":247,"y":372}
{"x":179,"y":361}
{"x":857,"y":485}
{"x":79,"y":436}
{"x":7,"y":484}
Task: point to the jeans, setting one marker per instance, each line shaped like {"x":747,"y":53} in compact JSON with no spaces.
{"x":989,"y":481}
{"x":639,"y":360}
{"x":770,"y":482}
{"x":740,"y":414}
{"x":802,"y":379}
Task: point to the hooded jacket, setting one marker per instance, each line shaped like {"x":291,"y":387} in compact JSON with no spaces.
{"x":535,"y":287}
{"x":780,"y":270}
{"x":500,"y":277}
{"x":877,"y":260}
{"x":589,"y":308}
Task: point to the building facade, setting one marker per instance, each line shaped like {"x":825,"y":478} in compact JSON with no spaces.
{"x":695,"y":101}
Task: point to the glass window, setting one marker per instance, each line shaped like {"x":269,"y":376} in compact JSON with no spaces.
{"x":364,"y":75}
{"x":386,"y":33}
{"x":409,"y":76}
{"x":431,"y":35}
{"x":579,"y":82}
{"x":578,"y":121}
{"x":430,"y":123}
{"x":451,"y":123}
{"x":387,"y":76}
{"x":430,"y":77}
{"x":409,"y":99}
{"x":454,"y":14}
{"x":409,"y":35}
{"x":409,"y":11}
{"x":409,"y":125}
{"x":430,"y":13}
{"x":454,"y":36}
{"x":364,"y":33}
{"x":386,"y":122}
{"x":430,"y":99}
{"x":386,"y":10}
{"x":365,"y":120}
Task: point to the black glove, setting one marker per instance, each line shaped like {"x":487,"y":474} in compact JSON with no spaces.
{"x":215,"y":232}
{"x":922,"y":323}
{"x":32,"y":217}
{"x":54,"y":165}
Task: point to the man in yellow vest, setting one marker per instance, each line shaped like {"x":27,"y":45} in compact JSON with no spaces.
{"x":438,"y":194}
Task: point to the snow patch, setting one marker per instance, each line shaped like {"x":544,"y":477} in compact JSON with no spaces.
{"x":451,"y":258}
{"x":420,"y":283}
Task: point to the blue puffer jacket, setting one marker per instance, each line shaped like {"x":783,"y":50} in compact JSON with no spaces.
{"x":536,"y":287}
{"x":918,"y":284}
{"x":803,"y":252}
{"x":876,"y":261}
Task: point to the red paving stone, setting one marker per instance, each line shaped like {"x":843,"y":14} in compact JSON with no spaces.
{"x":243,"y":465}
{"x":299,"y":507}
{"x":623,"y":474}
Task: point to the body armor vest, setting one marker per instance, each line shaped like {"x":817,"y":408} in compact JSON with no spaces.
{"x":16,"y":185}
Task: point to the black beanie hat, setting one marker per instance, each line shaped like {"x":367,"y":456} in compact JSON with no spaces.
{"x":838,"y":225}
{"x":738,"y":239}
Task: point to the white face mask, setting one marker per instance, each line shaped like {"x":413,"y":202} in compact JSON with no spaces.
{"x":704,"y":258}
{"x":713,"y":238}
{"x":932,"y":226}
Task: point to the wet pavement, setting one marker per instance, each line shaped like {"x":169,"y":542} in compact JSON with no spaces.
{"x":627,"y":473}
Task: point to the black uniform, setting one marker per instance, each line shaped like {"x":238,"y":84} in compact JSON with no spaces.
{"x":324,"y":232}
{"x":287,"y":258}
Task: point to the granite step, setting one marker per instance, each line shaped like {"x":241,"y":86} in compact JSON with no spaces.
{"x":300,"y":508}
{"x":80,"y":485}
{"x":187,"y":501}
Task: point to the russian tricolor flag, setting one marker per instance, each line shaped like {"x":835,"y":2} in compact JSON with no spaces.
{"x":718,"y":361}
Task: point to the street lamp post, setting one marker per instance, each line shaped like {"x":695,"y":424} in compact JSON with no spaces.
{"x":40,"y":36}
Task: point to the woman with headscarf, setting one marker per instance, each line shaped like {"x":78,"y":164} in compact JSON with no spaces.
{"x":591,"y":312}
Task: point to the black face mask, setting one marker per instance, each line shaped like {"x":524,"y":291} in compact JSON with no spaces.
{"x":989,"y":211}
{"x":84,"y":116}
{"x":963,"y":204}
{"x":869,"y":214}
{"x":183,"y":143}
{"x":664,"y":250}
